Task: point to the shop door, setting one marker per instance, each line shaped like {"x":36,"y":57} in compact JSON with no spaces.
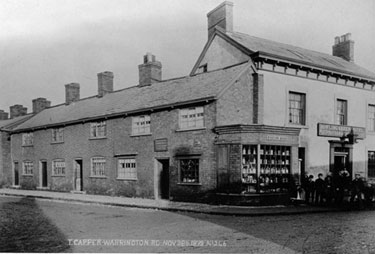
{"x":78,"y":176}
{"x":16,"y":174}
{"x":340,"y":163}
{"x":44,"y":174}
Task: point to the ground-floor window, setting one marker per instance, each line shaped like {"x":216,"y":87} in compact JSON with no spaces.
{"x":371,"y":164}
{"x":98,"y":166}
{"x":189,"y":170}
{"x":28,"y":168}
{"x":58,"y":167}
{"x":270,"y":174}
{"x":127,"y":168}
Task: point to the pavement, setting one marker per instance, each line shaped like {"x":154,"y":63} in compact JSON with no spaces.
{"x":170,"y":205}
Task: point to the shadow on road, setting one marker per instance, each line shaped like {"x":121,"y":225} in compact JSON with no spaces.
{"x":24,"y":228}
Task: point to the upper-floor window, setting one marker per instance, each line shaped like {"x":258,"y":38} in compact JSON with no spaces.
{"x":98,"y":129}
{"x":141,"y":125}
{"x":27,"y":139}
{"x":297,"y":108}
{"x":371,"y":164}
{"x":342,"y":112}
{"x":192,"y":118}
{"x":28,"y":167}
{"x":371,"y":118}
{"x":57,"y":135}
{"x":127,"y":168}
{"x":98,"y":166}
{"x":58,"y":167}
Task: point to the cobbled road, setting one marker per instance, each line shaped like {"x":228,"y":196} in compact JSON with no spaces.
{"x":29,"y":225}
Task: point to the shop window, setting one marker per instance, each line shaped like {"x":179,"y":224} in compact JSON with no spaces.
{"x":297,"y":108}
{"x":371,"y":118}
{"x":127,"y":168}
{"x":189,"y":170}
{"x":273,"y":175}
{"x":98,"y":166}
{"x":57,"y":135}
{"x":28,"y":168}
{"x":341,"y":112}
{"x":141,"y":125}
{"x":191,"y":118}
{"x":98,"y":129}
{"x":371,"y":164}
{"x":58,"y":167}
{"x":28,"y":139}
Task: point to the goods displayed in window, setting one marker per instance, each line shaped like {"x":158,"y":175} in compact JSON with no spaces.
{"x":271,"y":174}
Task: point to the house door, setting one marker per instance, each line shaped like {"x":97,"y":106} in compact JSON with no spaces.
{"x":78,"y":176}
{"x":44,"y":176}
{"x":16,"y":174}
{"x":162,"y":178}
{"x":340,"y":163}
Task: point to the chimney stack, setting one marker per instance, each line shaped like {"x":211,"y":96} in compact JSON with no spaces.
{"x":221,"y":16}
{"x":105,"y":83}
{"x":149,"y":71}
{"x":71,"y":93}
{"x":344,"y":47}
{"x":40,"y":104}
{"x":3,"y":115}
{"x":17,"y":110}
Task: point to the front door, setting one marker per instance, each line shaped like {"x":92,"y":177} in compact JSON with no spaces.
{"x":78,"y":176}
{"x":16,"y":174}
{"x":162,"y":178}
{"x":44,"y":175}
{"x":340,"y":163}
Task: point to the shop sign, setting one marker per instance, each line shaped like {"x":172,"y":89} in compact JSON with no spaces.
{"x":161,"y":145}
{"x":279,"y":138}
{"x":339,"y":131}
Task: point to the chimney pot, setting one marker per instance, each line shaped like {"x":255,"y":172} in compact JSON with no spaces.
{"x":105,"y":83}
{"x":221,"y":16}
{"x":150,"y":71}
{"x":344,"y":47}
{"x":71,"y":93}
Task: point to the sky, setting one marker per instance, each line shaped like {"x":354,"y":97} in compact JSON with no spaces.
{"x":45,"y":44}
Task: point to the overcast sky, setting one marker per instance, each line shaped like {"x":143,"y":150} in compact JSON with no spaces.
{"x":45,"y":44}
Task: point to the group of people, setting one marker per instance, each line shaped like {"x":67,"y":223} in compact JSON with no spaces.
{"x":333,"y":189}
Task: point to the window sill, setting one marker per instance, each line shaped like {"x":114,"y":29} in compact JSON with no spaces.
{"x":58,"y":175}
{"x":57,"y":142}
{"x":191,"y":129}
{"x":99,"y":177}
{"x":127,"y":179}
{"x":93,"y":138}
{"x":302,"y":126}
{"x":190,"y":184}
{"x":28,"y":175}
{"x":27,"y":145}
{"x":141,"y":134}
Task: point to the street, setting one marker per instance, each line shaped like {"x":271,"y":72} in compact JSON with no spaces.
{"x":30,"y":225}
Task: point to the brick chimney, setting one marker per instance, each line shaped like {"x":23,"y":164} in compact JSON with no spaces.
{"x":149,"y":71}
{"x":221,"y":16}
{"x":344,"y":47}
{"x":3,"y":115}
{"x":71,"y":93}
{"x":105,"y":83}
{"x":40,"y":104}
{"x":17,"y":110}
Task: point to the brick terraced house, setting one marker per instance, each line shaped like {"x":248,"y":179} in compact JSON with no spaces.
{"x":250,"y":119}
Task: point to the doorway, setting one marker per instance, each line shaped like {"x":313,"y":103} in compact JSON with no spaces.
{"x":16,"y":174}
{"x":43,"y":174}
{"x":78,"y":175}
{"x":161,"y":187}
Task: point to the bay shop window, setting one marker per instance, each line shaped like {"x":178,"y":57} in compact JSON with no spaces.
{"x":270,"y":174}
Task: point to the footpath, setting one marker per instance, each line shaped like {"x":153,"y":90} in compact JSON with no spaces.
{"x":169,"y":205}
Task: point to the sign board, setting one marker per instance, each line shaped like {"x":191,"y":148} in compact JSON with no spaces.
{"x":161,"y":145}
{"x":339,"y":131}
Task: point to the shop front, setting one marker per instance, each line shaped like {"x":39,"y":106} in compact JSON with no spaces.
{"x":256,"y":164}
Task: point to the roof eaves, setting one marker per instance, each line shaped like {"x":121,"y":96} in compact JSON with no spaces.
{"x":115,"y":115}
{"x":309,"y":64}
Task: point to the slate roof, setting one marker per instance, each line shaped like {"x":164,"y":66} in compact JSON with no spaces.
{"x":170,"y":92}
{"x":9,"y":124}
{"x":299,"y":55}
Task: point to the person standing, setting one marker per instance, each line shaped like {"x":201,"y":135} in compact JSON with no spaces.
{"x":357,"y":190}
{"x":330,"y":188}
{"x":319,"y":189}
{"x":310,"y":189}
